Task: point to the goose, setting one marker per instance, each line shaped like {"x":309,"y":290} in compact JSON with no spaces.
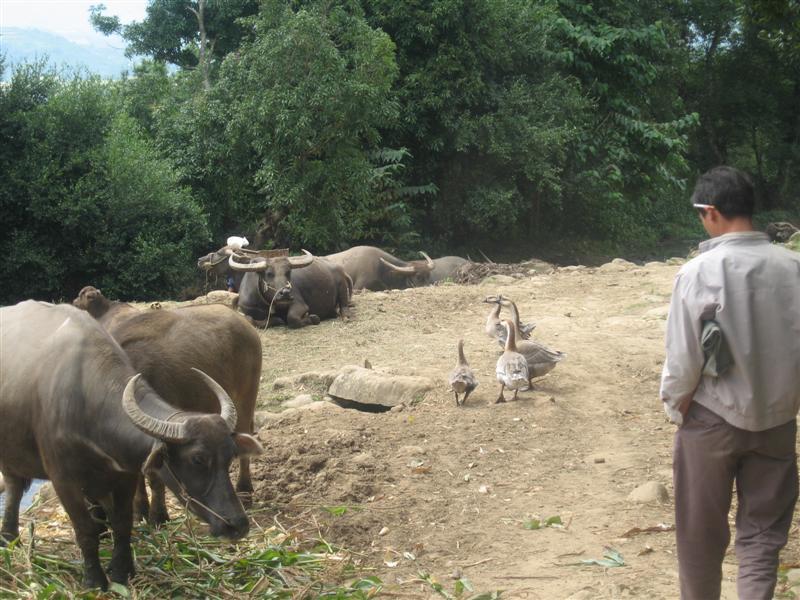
{"x":494,"y":326}
{"x":462,"y":380}
{"x":512,"y":367}
{"x":540,"y":359}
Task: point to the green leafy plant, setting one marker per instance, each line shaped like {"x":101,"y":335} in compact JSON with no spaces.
{"x":533,"y":524}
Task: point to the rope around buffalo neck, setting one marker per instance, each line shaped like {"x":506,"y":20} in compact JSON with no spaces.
{"x":188,"y":498}
{"x":274,"y":296}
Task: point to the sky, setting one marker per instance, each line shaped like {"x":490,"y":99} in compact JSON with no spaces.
{"x":69,"y":18}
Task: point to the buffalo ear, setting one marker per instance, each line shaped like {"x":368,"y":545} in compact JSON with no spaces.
{"x":155,"y":459}
{"x":247,"y":445}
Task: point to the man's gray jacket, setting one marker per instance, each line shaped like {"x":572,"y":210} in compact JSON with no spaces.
{"x":751,"y":288}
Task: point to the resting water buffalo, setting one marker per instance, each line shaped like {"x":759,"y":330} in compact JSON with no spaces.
{"x":446,"y":267}
{"x":164,"y":345}
{"x":373,"y":269}
{"x":296,"y":290}
{"x":216,"y":266}
{"x":75,"y":411}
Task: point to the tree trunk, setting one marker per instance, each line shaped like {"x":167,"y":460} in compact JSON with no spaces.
{"x":203,"y":49}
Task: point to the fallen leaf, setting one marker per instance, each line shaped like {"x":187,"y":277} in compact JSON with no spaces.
{"x":660,"y":528}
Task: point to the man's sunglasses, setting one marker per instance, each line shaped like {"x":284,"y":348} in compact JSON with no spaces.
{"x":702,"y":208}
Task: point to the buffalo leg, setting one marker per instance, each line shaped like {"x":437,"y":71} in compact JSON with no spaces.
{"x":299,"y":316}
{"x":87,"y":532}
{"x":15,"y":488}
{"x":516,"y":391}
{"x":343,"y":293}
{"x":141,"y":504}
{"x":456,"y":393}
{"x":158,"y":514}
{"x":121,"y":518}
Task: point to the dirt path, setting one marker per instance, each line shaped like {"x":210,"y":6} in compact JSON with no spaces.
{"x":452,"y":488}
{"x":449,"y":491}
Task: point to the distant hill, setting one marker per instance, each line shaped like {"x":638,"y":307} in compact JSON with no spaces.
{"x":27,"y":45}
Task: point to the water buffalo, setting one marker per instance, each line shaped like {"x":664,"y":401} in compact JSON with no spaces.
{"x":76,"y":412}
{"x":215,"y":265}
{"x":165,"y":344}
{"x":296,"y":290}
{"x":373,"y":269}
{"x":446,"y":267}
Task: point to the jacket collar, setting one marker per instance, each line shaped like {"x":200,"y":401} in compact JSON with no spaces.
{"x":737,"y":238}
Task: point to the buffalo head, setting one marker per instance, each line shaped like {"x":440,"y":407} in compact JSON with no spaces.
{"x":192,"y":455}
{"x":90,"y":299}
{"x":417,"y":272}
{"x":274,"y":274}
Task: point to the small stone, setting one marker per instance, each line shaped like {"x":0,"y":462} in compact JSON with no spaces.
{"x":649,"y":492}
{"x":599,"y":460}
{"x":483,"y":489}
{"x":298,"y":401}
{"x":398,"y":408}
{"x":383,"y":531}
{"x":282,"y":382}
{"x":262,"y":417}
{"x":584,"y":594}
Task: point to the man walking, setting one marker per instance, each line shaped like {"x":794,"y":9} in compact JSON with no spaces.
{"x":736,"y":403}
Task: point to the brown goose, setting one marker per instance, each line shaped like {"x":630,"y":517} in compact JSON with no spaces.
{"x":494,"y":326}
{"x":462,"y":380}
{"x":541,"y":359}
{"x":512,"y":367}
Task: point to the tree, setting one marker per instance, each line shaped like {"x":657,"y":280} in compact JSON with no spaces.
{"x":626,"y":171}
{"x":187,"y":33}
{"x":484,"y":113}
{"x":290,"y":131}
{"x":86,"y":200}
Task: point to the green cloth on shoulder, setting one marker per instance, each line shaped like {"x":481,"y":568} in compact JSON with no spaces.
{"x":717,"y":355}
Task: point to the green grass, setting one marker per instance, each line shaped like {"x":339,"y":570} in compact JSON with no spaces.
{"x":176,"y":562}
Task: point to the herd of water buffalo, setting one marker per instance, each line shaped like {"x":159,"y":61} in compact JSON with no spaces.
{"x":97,"y":395}
{"x":300,"y":291}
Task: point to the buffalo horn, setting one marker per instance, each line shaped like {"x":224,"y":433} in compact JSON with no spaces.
{"x":298,"y":262}
{"x":227,"y":409}
{"x":260,"y":265}
{"x":403,"y":270}
{"x":163,"y":430}
{"x":428,"y":259}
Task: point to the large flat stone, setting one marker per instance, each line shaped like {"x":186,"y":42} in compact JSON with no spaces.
{"x":368,"y":386}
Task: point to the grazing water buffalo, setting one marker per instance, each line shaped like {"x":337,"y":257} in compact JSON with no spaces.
{"x":164,"y":345}
{"x":76,"y":412}
{"x":373,"y":269}
{"x":296,"y":290}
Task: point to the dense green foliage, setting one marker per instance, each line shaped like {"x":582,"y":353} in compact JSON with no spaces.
{"x":85,"y":199}
{"x":451,"y":124}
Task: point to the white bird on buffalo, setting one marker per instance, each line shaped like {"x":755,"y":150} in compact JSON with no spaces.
{"x":512,"y":368}
{"x":237,"y":242}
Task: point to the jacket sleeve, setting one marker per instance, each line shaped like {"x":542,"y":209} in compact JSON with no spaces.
{"x":684,"y":354}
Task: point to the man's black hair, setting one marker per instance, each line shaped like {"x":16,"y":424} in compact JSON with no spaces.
{"x":728,"y":189}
